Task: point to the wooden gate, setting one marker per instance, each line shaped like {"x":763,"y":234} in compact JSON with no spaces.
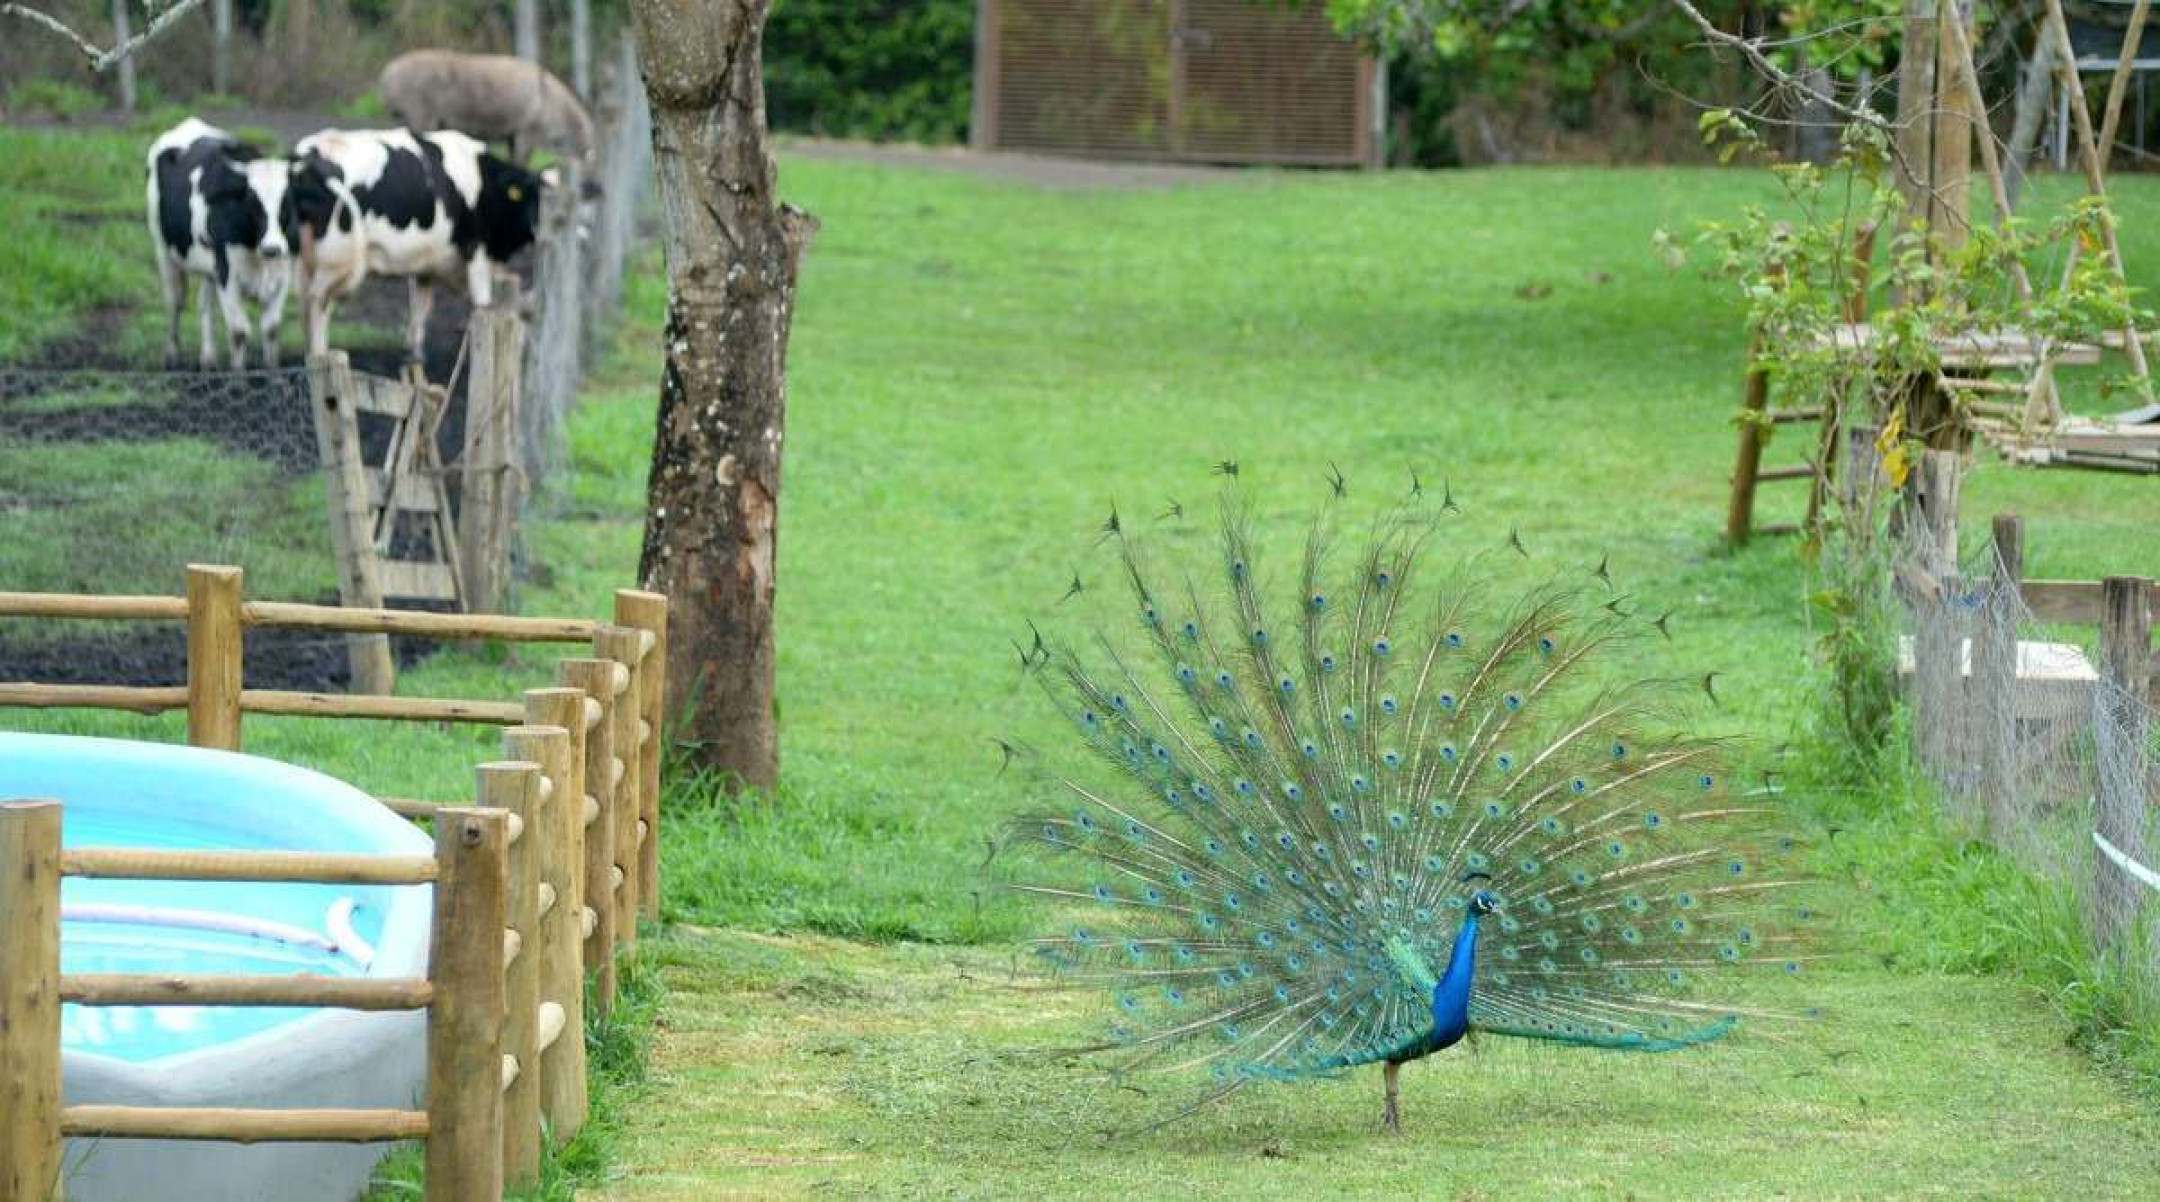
{"x":1227,"y":81}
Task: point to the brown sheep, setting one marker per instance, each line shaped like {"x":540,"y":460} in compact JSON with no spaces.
{"x":490,"y":96}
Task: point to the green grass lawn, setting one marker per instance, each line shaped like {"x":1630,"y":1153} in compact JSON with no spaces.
{"x":979,"y":371}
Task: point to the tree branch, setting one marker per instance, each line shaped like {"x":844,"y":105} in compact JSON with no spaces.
{"x":1772,"y":72}
{"x":104,"y":60}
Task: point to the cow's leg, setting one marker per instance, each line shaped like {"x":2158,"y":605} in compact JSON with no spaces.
{"x":206,"y":308}
{"x":480,"y":280}
{"x":273,"y":313}
{"x":236,"y":319}
{"x":421,"y":292}
{"x":173,"y":282}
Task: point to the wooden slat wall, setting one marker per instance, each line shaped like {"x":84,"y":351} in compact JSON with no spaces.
{"x":1197,"y":80}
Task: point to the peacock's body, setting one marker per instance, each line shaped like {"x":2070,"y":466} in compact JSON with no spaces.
{"x":1355,"y":823}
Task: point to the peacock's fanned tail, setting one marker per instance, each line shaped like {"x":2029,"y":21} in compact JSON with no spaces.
{"x":1266,"y":863}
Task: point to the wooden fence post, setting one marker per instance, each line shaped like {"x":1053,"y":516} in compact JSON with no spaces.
{"x":514,"y":787}
{"x":595,"y":677}
{"x":2119,"y":747}
{"x":30,"y":1000}
{"x":214,"y":656}
{"x":623,"y":645}
{"x":1994,"y":680}
{"x":648,"y":612}
{"x":489,"y":465}
{"x":465,"y":1019}
{"x":548,"y":741}
{"x":352,"y":536}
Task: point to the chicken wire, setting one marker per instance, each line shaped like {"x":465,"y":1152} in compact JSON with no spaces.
{"x":2058,"y":765}
{"x":112,"y":482}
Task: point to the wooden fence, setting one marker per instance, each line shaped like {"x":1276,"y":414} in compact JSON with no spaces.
{"x":1978,"y":697}
{"x":558,"y":853}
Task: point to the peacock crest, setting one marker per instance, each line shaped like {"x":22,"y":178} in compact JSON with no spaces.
{"x":1350,"y":816}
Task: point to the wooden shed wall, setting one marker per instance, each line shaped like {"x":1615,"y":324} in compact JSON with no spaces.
{"x":1194,"y":80}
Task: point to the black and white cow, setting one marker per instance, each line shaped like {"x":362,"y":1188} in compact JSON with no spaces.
{"x":435,"y":208}
{"x":221,"y":210}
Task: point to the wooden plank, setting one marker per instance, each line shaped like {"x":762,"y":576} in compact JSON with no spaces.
{"x":2069,"y":601}
{"x":246,"y":989}
{"x":415,"y":493}
{"x":417,"y":580}
{"x":419,"y":623}
{"x":347,"y":705}
{"x":335,"y":395}
{"x":381,"y":395}
{"x":309,"y":867}
{"x":1802,"y":471}
{"x":72,"y":605}
{"x":243,"y":1126}
{"x":30,"y":999}
{"x":138,"y":699}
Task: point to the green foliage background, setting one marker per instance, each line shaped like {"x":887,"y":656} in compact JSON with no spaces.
{"x":885,"y":69}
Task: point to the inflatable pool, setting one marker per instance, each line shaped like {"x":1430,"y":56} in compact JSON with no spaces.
{"x":149,"y":795}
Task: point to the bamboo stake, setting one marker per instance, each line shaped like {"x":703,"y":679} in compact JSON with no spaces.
{"x":596,"y":678}
{"x":465,"y":1099}
{"x":513,"y":787}
{"x":213,"y":656}
{"x":30,"y":999}
{"x":648,"y":612}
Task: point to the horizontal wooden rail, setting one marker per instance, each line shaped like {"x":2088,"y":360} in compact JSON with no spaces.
{"x":411,"y":807}
{"x":417,"y":622}
{"x":136,"y":698}
{"x":321,"y":868}
{"x":206,"y":989}
{"x":243,"y":1126}
{"x":348,"y":705}
{"x":2069,"y":601}
{"x":72,"y":605}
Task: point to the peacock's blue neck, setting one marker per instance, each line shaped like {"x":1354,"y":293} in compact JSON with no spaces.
{"x":1451,"y":997}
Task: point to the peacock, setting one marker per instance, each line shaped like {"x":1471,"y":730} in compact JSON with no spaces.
{"x":1354,"y":814}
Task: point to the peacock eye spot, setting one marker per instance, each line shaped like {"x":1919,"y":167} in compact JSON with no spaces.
{"x":1380,"y":647}
{"x":1578,"y":785}
{"x":1349,"y":717}
{"x":1288,"y":686}
{"x":1619,"y":751}
{"x":1447,"y":701}
{"x":1706,"y":781}
{"x":1545,"y":644}
{"x":1192,"y":630}
{"x":1454,"y":638}
{"x":1388,"y":704}
{"x":1259,"y":637}
{"x":1512,"y":701}
{"x":1327,"y":663}
{"x":1319,"y":600}
{"x":1383,"y":579}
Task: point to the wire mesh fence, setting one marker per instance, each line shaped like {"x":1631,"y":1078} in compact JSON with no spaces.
{"x":111,"y":482}
{"x":2033,"y":714}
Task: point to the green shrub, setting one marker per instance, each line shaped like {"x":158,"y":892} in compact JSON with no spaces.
{"x":886,"y":69}
{"x":60,"y":98}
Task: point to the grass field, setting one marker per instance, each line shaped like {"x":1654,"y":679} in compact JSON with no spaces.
{"x":979,"y":371}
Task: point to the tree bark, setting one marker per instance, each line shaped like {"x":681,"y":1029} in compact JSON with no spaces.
{"x":2035,"y":89}
{"x":581,"y":49}
{"x":713,"y":496}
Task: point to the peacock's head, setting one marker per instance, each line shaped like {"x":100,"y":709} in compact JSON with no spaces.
{"x":1482,"y":901}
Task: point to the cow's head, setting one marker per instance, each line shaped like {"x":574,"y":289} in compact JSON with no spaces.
{"x":509,"y":206}
{"x":276,"y":233}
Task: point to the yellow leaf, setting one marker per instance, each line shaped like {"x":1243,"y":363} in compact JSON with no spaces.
{"x":1897,"y":465}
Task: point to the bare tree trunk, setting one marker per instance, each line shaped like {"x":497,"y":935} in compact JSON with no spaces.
{"x":126,"y":73}
{"x":525,"y":29}
{"x":220,"y":46}
{"x":713,"y":497}
{"x":581,"y":49}
{"x":2036,"y":86}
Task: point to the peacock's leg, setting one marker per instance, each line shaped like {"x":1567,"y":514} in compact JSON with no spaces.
{"x":1391,"y":1112}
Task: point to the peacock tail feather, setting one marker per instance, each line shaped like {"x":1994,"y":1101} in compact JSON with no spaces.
{"x":1286,"y":798}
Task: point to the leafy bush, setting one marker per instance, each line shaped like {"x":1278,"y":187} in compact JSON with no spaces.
{"x":888,"y":69}
{"x":54,"y":98}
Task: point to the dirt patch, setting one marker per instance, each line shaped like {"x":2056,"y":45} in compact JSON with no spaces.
{"x":1081,"y":175}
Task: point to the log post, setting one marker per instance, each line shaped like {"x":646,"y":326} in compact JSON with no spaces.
{"x":30,"y":1000}
{"x":623,"y":645}
{"x":1747,"y":461}
{"x":648,"y":612}
{"x":465,"y":1020}
{"x":554,"y":714}
{"x":1994,"y":680}
{"x":513,"y":786}
{"x":1935,"y":488}
{"x":2119,"y":737}
{"x":352,"y":539}
{"x":486,"y":518}
{"x":595,"y":677}
{"x":214,"y":668}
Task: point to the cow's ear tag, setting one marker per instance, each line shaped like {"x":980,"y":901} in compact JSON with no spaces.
{"x":516,"y":192}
